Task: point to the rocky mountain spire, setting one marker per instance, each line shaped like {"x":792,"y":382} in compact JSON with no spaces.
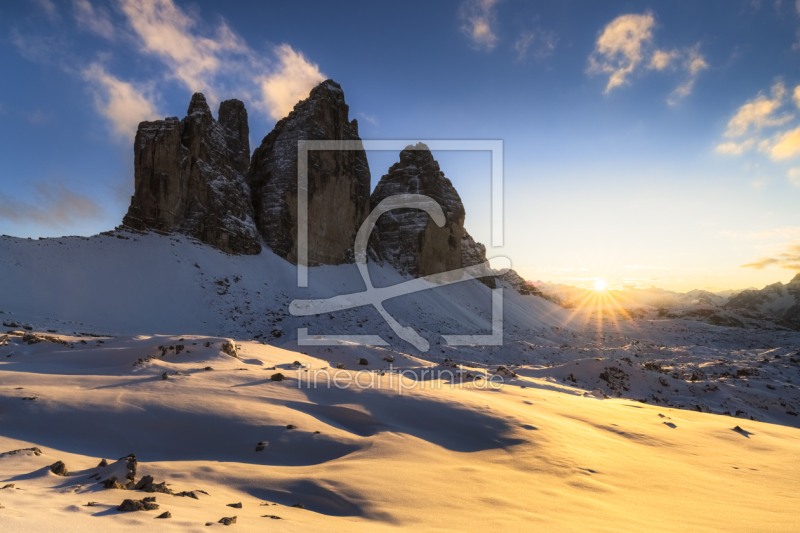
{"x":338,"y":181}
{"x":409,"y":239}
{"x":189,"y":177}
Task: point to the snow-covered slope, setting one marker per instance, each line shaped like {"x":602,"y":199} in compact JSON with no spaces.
{"x":228,"y":441}
{"x":127,"y":283}
{"x":149,"y":283}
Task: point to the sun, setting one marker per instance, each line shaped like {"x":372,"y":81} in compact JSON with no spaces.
{"x":600,"y":285}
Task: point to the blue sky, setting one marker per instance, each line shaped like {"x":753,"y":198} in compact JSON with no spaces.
{"x":647,"y":143}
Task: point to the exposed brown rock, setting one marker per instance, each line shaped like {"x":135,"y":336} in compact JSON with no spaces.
{"x":128,"y":506}
{"x":409,"y":239}
{"x":189,"y":177}
{"x":59,"y":468}
{"x":338,"y":181}
{"x":146,"y":484}
{"x":230,"y":349}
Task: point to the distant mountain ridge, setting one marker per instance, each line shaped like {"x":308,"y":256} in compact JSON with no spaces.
{"x":774,"y":306}
{"x":777,"y":300}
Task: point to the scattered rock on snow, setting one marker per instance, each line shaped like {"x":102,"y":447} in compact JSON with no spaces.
{"x":36,"y":451}
{"x":165,"y":514}
{"x":226,"y":521}
{"x":229,"y":348}
{"x":59,"y":468}
{"x":146,"y":484}
{"x":277,"y":377}
{"x":128,"y":506}
{"x":235,"y":505}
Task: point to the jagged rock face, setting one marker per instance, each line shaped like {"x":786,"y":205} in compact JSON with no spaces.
{"x":474,"y":253}
{"x":338,"y":181}
{"x":190,"y":177}
{"x":409,"y":239}
{"x":776,"y":300}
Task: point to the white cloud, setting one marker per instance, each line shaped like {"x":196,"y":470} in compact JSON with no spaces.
{"x":94,"y":20}
{"x":733,"y":148}
{"x":478,"y":21}
{"x":759,"y":113}
{"x":120,"y":102}
{"x":796,"y":93}
{"x":290,"y":83}
{"x":786,"y":145}
{"x":662,"y":59}
{"x":619,"y":49}
{"x":624,"y":45}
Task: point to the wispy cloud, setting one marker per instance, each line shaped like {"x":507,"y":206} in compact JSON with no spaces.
{"x":51,"y":204}
{"x":123,"y":104}
{"x":38,"y":117}
{"x":626,"y":45}
{"x":734,"y":148}
{"x":372,"y":119}
{"x":694,"y":63}
{"x":783,"y":233}
{"x":289,"y":83}
{"x":478,"y":23}
{"x":49,"y":8}
{"x":169,"y":33}
{"x":793,"y":175}
{"x":198,"y":59}
{"x":212,"y":59}
{"x":538,"y":44}
{"x":788,"y":257}
{"x":93,"y":19}
{"x":759,"y":113}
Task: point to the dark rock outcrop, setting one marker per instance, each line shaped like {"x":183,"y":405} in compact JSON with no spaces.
{"x":190,"y":177}
{"x":128,"y":506}
{"x":59,"y":468}
{"x":338,"y":181}
{"x":409,"y":239}
{"x":474,"y":253}
{"x":147,"y":484}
